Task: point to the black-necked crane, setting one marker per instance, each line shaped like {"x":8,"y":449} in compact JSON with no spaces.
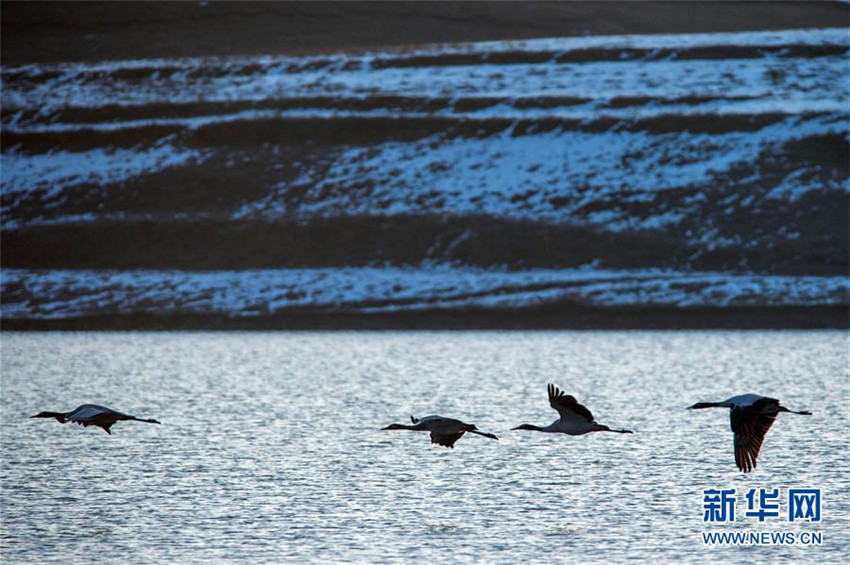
{"x":444,"y":431}
{"x":751,"y":416}
{"x":575,"y":420}
{"x":92,"y":415}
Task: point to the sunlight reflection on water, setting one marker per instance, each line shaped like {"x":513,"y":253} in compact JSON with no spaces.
{"x":269,"y":446}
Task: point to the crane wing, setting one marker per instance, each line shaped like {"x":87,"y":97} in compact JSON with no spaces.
{"x":446,"y":440}
{"x":750,"y":426}
{"x":441,"y":425}
{"x":567,"y":406}
{"x":86,"y":412}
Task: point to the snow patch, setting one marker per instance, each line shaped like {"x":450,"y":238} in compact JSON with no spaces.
{"x":65,"y":293}
{"x":57,"y":170}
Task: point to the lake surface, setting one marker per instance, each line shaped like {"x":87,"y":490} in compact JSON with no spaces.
{"x":270,"y":449}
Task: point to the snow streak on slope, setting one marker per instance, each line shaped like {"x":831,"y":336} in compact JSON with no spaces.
{"x":595,"y":70}
{"x":52,"y":171}
{"x":547,"y":176}
{"x":64,"y":294}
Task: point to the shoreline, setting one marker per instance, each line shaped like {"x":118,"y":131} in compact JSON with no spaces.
{"x":554,"y":317}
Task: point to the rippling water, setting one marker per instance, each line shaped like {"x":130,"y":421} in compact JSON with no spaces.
{"x":269,"y":448}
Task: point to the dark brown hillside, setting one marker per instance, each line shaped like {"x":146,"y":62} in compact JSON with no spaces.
{"x":41,"y":32}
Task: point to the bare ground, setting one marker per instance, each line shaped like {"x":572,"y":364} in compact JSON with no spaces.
{"x":40,"y":32}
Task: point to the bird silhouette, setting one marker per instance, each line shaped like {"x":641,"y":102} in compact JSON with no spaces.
{"x":444,"y":431}
{"x":92,"y":415}
{"x":575,"y":420}
{"x":751,"y":416}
